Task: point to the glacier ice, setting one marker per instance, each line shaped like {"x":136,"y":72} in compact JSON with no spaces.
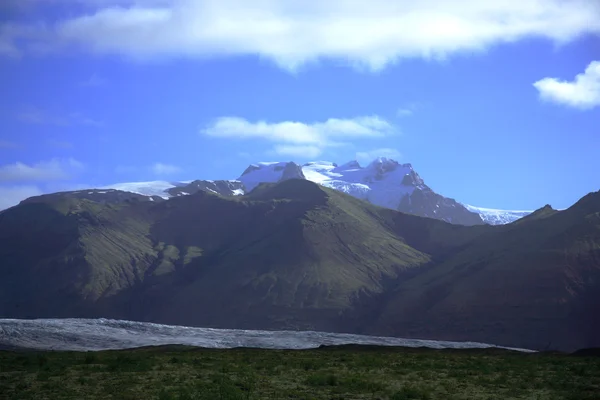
{"x":103,"y":334}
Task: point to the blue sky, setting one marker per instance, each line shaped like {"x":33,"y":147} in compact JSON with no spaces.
{"x":494,"y":105}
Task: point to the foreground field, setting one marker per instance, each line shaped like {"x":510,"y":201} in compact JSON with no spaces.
{"x":347,"y":372}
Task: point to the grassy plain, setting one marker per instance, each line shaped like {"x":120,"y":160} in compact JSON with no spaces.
{"x":345,"y":372}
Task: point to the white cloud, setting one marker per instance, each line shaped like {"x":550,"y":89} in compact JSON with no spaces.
{"x":55,"y":169}
{"x":583,"y":92}
{"x":368,"y":34}
{"x":12,"y":195}
{"x":368,"y":156}
{"x":408,"y":109}
{"x":318,"y":133}
{"x":164,"y":169}
{"x":293,"y":138}
{"x":158,"y":168}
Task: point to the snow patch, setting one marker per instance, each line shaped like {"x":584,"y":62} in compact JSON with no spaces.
{"x":153,"y":188}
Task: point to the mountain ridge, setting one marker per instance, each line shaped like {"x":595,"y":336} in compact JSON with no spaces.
{"x":298,"y":255}
{"x":383,"y":182}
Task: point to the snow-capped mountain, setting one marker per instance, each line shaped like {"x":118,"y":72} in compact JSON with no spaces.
{"x":270,"y":172}
{"x":383,"y":182}
{"x":497,"y":217}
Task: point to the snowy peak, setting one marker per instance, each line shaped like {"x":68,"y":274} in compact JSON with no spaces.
{"x":387,"y":183}
{"x":380,"y":183}
{"x":383,"y":164}
{"x":270,"y":172}
{"x":350,"y":165}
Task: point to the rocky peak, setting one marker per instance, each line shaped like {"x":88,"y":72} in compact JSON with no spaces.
{"x":292,"y":171}
{"x":412,"y":179}
{"x":251,"y":168}
{"x":221,"y":187}
{"x":270,"y":172}
{"x":383,"y":165}
{"x":351,"y":165}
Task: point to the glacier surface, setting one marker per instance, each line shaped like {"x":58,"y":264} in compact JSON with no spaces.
{"x":497,"y":217}
{"x":153,"y":188}
{"x":73,"y":334}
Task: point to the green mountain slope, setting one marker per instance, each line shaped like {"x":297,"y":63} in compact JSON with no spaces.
{"x":295,"y":255}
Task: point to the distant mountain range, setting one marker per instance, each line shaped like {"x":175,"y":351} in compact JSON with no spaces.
{"x":384,"y":182}
{"x":296,"y":255}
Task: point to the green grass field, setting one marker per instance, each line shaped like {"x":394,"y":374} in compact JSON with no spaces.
{"x":346,"y":372}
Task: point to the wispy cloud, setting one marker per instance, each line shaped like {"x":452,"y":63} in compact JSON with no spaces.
{"x":60,"y":144}
{"x":55,"y":169}
{"x":164,"y":169}
{"x":5,"y":144}
{"x":583,"y":92}
{"x":368,"y":156}
{"x":7,"y":48}
{"x":93,"y":81}
{"x":159,"y":169}
{"x":42,"y":117}
{"x":300,"y":138}
{"x":293,"y":33}
{"x":407,"y":110}
{"x":39,"y":117}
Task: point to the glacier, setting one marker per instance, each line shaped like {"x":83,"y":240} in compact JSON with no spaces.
{"x":497,"y":217}
{"x":73,"y":334}
{"x":152,"y":188}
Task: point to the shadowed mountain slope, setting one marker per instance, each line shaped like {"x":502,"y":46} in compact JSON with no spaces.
{"x":535,"y":282}
{"x":296,"y":255}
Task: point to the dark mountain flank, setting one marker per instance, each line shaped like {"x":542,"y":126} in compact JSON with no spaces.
{"x":296,"y":255}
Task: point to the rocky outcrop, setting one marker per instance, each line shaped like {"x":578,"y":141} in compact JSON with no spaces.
{"x":292,"y":171}
{"x":221,"y":187}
